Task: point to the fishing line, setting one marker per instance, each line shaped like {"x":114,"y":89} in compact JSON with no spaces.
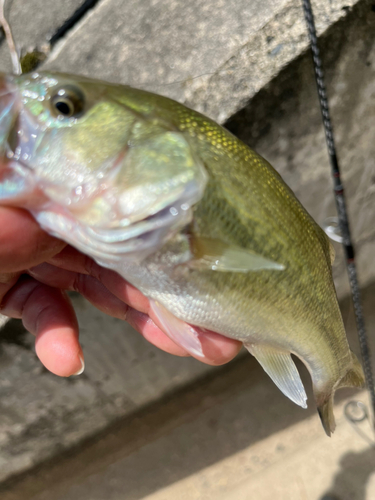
{"x":10,"y":40}
{"x":73,"y":20}
{"x":340,"y":204}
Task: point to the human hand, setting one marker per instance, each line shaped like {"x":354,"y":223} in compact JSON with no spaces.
{"x":39,"y":299}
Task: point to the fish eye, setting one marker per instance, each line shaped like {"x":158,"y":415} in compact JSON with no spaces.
{"x":67,"y":102}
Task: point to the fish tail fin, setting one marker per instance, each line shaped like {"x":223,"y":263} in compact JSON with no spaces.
{"x":327,"y":417}
{"x":353,"y":378}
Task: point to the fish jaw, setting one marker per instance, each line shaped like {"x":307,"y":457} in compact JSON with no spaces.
{"x":114,"y":247}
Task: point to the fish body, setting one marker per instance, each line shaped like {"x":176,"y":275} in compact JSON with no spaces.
{"x":188,"y":214}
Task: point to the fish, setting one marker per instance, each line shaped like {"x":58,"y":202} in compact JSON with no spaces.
{"x":182,"y":209}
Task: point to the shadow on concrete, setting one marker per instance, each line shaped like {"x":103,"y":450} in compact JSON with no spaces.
{"x":199,"y":426}
{"x":351,"y":480}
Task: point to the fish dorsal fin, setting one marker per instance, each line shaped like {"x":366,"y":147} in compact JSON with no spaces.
{"x":214,"y":254}
{"x":280,"y":367}
{"x":177,"y":330}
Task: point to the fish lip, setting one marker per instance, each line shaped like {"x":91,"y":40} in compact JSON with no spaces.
{"x":176,"y":214}
{"x":161,"y":219}
{"x":130,"y":244}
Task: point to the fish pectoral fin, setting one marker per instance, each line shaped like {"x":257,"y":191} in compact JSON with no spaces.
{"x":280,"y":366}
{"x":214,"y":254}
{"x":177,"y":330}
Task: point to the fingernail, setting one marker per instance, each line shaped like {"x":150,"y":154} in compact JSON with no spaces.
{"x":81,"y":370}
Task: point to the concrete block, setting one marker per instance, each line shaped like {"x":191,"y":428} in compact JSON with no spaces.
{"x":33,"y":23}
{"x":212,"y":56}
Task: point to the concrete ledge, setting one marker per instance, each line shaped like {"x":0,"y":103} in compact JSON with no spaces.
{"x":219,"y":53}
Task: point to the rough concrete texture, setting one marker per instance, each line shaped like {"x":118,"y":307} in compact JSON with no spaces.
{"x":41,"y":415}
{"x":230,"y":437}
{"x":34,"y":22}
{"x":220,"y":53}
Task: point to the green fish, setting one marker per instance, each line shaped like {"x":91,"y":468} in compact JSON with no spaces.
{"x":187,"y":213}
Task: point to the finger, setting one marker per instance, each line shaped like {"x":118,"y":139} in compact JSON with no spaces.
{"x":125,"y":301}
{"x":7,"y":281}
{"x":147,"y":328}
{"x":70,"y":259}
{"x":217,"y":349}
{"x":22,"y":242}
{"x":47,"y":313}
{"x":96,"y":293}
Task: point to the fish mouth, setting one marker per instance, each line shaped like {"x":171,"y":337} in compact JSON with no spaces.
{"x":110,"y":246}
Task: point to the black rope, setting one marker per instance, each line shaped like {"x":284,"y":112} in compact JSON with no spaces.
{"x":340,"y":203}
{"x":69,"y":23}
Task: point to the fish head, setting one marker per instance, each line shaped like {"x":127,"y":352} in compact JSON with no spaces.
{"x":95,"y":159}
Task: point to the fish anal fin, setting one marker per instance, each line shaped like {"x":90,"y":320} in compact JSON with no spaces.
{"x":214,"y":254}
{"x":280,"y":366}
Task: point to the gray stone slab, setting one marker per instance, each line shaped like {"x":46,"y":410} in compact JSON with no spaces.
{"x":33,"y":22}
{"x":220,"y":53}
